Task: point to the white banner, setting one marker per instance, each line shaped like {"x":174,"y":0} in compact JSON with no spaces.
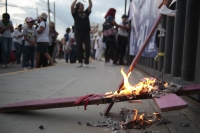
{"x":143,"y":15}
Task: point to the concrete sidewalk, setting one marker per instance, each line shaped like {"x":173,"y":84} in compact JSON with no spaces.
{"x":65,"y":81}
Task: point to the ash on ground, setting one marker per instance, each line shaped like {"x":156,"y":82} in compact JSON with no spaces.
{"x":130,"y":119}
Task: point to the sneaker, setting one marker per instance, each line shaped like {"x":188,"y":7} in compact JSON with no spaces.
{"x":88,"y":66}
{"x":80,"y":65}
{"x":3,"y":66}
{"x":7,"y":66}
{"x":25,"y":69}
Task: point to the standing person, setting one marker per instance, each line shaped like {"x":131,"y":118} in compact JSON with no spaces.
{"x":92,"y":32}
{"x":17,"y":35}
{"x":53,"y":36}
{"x":82,"y":30}
{"x":67,"y":47}
{"x":43,"y":40}
{"x":73,"y":52}
{"x":99,"y":50}
{"x":109,"y":34}
{"x":30,"y":42}
{"x":95,"y":47}
{"x":6,"y":28}
{"x":122,"y":42}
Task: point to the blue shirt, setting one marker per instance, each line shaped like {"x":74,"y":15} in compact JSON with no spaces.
{"x":66,"y":37}
{"x":110,"y":18}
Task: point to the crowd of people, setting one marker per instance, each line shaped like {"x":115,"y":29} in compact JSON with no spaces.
{"x":34,"y":44}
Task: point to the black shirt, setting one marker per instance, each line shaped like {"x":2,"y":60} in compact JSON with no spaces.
{"x":82,"y":22}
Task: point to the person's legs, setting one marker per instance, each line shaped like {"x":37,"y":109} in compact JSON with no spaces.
{"x":18,"y":51}
{"x":4,"y":50}
{"x":9,"y":45}
{"x":86,"y":41}
{"x":111,"y":51}
{"x":45,"y":61}
{"x":118,"y":49}
{"x":6,"y":44}
{"x":67,"y":57}
{"x":54,"y":53}
{"x":106,"y":52}
{"x":49,"y":58}
{"x":51,"y":49}
{"x":123,"y":50}
{"x":32,"y":55}
{"x":25,"y":56}
{"x":73,"y":54}
{"x":41,"y":60}
{"x":97,"y":54}
{"x":79,"y":43}
{"x":46,"y":54}
{"x":37,"y":59}
{"x":100,"y":52}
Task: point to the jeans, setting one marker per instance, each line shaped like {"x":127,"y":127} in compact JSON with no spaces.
{"x":83,"y":37}
{"x":67,"y":57}
{"x":29,"y":54}
{"x":73,"y":54}
{"x":6,"y":45}
{"x":18,"y":51}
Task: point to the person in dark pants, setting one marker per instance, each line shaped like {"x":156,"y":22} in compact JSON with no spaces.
{"x":66,"y":42}
{"x":43,"y":40}
{"x":73,"y":52}
{"x":82,"y":31}
{"x":122,"y":42}
{"x":53,"y":36}
{"x":111,"y":39}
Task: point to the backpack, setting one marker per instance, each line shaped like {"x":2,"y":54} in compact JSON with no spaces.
{"x":108,"y":29}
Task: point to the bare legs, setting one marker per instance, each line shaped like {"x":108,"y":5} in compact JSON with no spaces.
{"x":46,"y":55}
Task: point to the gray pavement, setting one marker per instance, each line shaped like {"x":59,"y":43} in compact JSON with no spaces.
{"x":65,"y":81}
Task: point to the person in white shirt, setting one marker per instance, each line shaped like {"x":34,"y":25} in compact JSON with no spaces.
{"x":122,"y":41}
{"x":99,"y":48}
{"x":43,"y":40}
{"x":17,"y":35}
{"x":6,"y":28}
{"x":29,"y":34}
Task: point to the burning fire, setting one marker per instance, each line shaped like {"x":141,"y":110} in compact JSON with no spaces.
{"x":145,"y":86}
{"x":137,"y":120}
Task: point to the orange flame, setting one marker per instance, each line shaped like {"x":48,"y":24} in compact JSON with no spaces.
{"x":144,"y":86}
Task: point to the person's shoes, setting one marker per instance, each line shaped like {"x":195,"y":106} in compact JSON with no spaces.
{"x":7,"y":66}
{"x":88,"y":66}
{"x":3,"y":66}
{"x":25,"y":69}
{"x":80,"y":65}
{"x":55,"y":62}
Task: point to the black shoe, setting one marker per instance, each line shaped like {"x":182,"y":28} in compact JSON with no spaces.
{"x":55,"y":62}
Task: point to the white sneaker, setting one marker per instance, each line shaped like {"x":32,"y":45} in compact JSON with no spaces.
{"x":25,"y":69}
{"x":88,"y":66}
{"x":80,"y":65}
{"x":7,"y":66}
{"x":3,"y":66}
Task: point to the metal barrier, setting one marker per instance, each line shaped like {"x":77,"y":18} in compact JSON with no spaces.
{"x":179,"y":48}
